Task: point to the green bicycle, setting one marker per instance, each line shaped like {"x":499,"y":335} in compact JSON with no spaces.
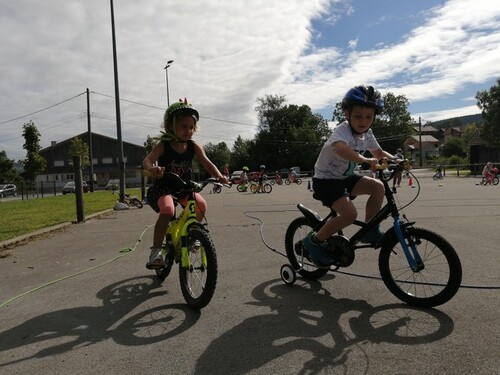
{"x":188,"y":243}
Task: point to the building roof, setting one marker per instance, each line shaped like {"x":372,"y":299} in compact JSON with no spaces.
{"x":84,"y":136}
{"x":425,"y":139}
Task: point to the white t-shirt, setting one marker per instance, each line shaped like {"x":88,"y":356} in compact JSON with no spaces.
{"x":330,"y":165}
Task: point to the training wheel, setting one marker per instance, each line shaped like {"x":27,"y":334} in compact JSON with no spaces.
{"x":288,"y":274}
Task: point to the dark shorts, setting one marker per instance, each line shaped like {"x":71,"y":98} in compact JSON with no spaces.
{"x":155,"y":192}
{"x":328,"y":191}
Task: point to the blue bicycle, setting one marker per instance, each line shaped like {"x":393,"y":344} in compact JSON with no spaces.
{"x":418,"y":266}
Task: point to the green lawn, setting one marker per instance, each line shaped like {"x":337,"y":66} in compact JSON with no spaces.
{"x":19,"y":217}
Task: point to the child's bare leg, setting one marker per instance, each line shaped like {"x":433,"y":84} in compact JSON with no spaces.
{"x":375,"y":189}
{"x":160,"y":229}
{"x":346,"y":215}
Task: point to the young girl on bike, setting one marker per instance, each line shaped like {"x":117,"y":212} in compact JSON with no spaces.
{"x":334,"y":181}
{"x":489,"y":171}
{"x":174,"y":153}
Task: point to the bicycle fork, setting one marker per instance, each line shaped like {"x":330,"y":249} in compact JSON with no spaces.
{"x":408,"y":244}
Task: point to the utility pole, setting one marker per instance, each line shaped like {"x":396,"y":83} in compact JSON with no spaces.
{"x":91,"y":166}
{"x":117,"y":104}
{"x":420,"y":140}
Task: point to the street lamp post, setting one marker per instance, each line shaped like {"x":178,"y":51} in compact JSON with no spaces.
{"x":169,"y":62}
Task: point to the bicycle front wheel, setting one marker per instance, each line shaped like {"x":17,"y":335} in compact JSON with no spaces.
{"x":437,"y":280}
{"x":199,"y":280}
{"x":267,"y":188}
{"x":295,"y":232}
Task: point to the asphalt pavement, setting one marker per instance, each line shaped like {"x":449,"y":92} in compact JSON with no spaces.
{"x":78,"y":299}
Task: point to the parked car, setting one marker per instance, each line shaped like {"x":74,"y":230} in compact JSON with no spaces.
{"x":112,"y":185}
{"x":235,"y":177}
{"x":8,"y":189}
{"x":70,"y":187}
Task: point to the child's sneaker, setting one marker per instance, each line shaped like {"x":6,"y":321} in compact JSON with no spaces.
{"x":317,"y":253}
{"x":156,"y":260}
{"x":373,"y":236}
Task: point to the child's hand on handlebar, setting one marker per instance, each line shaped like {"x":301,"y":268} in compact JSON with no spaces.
{"x":223,"y":180}
{"x":156,"y":171}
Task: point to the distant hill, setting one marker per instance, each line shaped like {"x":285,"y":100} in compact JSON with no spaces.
{"x":457,"y":121}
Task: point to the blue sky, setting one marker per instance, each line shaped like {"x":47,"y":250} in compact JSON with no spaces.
{"x":228,"y":53}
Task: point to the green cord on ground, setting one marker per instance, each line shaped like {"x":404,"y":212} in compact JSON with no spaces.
{"x":124,"y":251}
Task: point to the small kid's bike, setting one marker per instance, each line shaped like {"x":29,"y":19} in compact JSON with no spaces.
{"x":131,"y":200}
{"x":417,"y":265}
{"x":265,"y":187}
{"x":295,"y":180}
{"x":494,"y":180}
{"x":188,"y":243}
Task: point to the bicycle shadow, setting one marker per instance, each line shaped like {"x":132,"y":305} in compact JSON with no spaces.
{"x":324,"y":331}
{"x":64,"y":330}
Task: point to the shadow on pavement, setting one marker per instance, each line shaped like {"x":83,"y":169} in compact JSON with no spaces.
{"x":61,"y":331}
{"x":306,"y":321}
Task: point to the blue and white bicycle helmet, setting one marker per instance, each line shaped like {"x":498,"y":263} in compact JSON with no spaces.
{"x":363,"y":95}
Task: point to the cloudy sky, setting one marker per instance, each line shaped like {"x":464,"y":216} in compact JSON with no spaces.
{"x":228,"y":53}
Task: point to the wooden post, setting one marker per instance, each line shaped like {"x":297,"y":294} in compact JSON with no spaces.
{"x":80,"y":214}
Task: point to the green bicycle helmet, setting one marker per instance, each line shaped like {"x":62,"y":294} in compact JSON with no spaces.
{"x":181,"y":107}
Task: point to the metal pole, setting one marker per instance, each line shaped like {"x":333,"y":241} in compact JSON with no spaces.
{"x":91,"y":166}
{"x":117,"y":104}
{"x":169,"y":62}
{"x":420,"y":140}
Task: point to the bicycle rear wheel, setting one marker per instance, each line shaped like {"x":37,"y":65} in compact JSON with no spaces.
{"x":295,"y":232}
{"x":136,"y":202}
{"x":199,"y":280}
{"x":437,"y":281}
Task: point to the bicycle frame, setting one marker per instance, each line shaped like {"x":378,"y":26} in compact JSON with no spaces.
{"x":399,"y":226}
{"x":177,"y":232}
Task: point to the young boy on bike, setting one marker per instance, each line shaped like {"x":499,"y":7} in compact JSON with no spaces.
{"x":334,"y":181}
{"x":174,"y":153}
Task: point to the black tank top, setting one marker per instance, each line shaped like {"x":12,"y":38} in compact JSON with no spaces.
{"x":175,"y":162}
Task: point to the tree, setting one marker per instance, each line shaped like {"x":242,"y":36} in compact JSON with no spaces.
{"x":489,"y":103}
{"x":80,"y":148}
{"x":219,"y":154}
{"x":240,"y":153}
{"x":34,"y":163}
{"x":7,"y":172}
{"x":149,"y":144}
{"x":393,"y":126}
{"x":289,"y":135}
{"x":469,"y":132}
{"x":454,"y":147}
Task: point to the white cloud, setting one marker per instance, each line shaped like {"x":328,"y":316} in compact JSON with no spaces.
{"x":226,"y":54}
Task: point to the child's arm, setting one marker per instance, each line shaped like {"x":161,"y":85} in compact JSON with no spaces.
{"x":150,"y":160}
{"x":347,"y":153}
{"x":207,"y":163}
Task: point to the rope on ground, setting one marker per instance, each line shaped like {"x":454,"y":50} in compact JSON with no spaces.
{"x":123,"y":252}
